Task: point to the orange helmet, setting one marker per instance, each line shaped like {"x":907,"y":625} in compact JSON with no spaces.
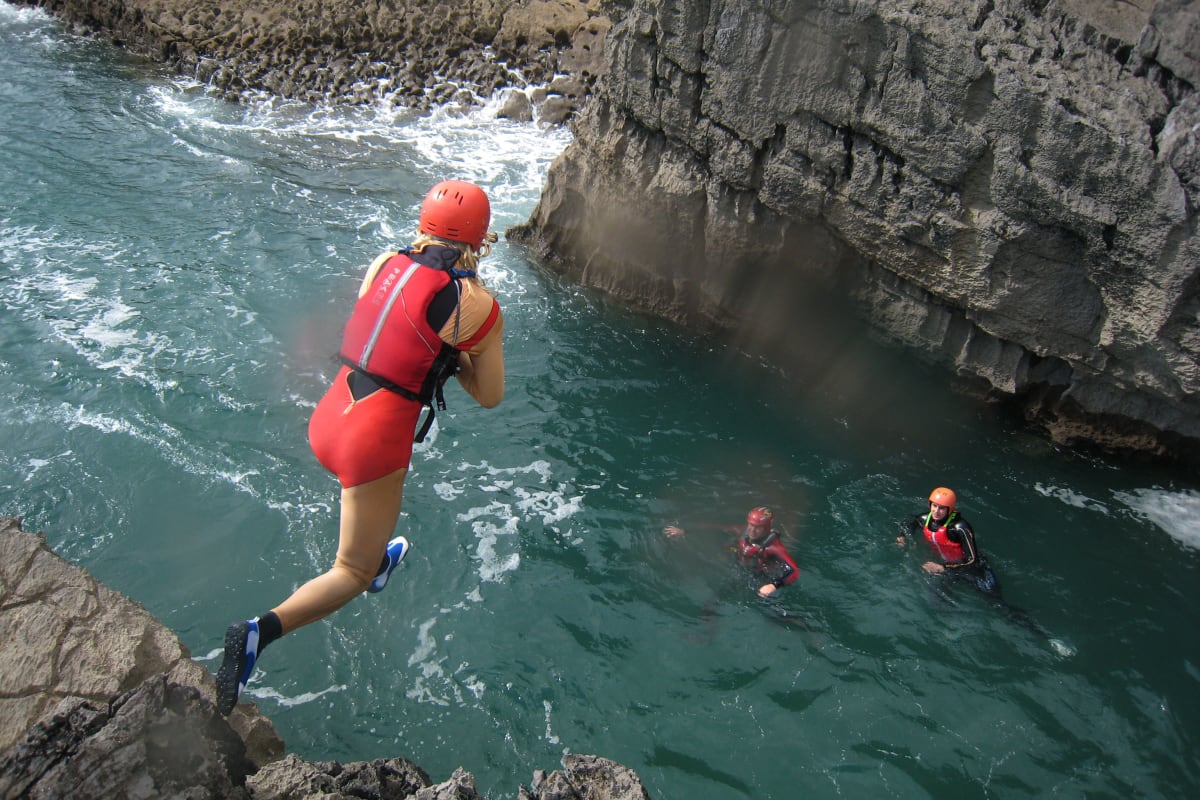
{"x":943,"y":497}
{"x":456,"y":211}
{"x":760,"y":516}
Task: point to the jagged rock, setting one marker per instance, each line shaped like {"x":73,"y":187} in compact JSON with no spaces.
{"x":516,"y":106}
{"x":586,"y":777}
{"x":65,"y":635}
{"x":460,"y":786}
{"x":295,"y":779}
{"x":1011,"y":187}
{"x":159,"y":740}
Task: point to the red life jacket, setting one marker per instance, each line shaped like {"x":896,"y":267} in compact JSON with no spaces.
{"x":950,"y":551}
{"x":389,"y":338}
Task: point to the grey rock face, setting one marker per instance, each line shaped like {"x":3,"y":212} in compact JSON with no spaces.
{"x":293,"y":778}
{"x":159,"y":740}
{"x":64,"y":635}
{"x":1010,"y":187}
{"x":586,"y":777}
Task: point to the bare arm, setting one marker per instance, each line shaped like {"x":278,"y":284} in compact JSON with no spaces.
{"x":482,"y":374}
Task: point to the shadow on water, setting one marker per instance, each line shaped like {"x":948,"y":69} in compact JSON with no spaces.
{"x":667,"y":758}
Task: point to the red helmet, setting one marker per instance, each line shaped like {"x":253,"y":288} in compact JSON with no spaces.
{"x":760,"y":516}
{"x":943,"y":497}
{"x":456,"y":211}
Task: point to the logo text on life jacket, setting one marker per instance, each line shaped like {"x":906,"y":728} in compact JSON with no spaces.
{"x":385,"y":287}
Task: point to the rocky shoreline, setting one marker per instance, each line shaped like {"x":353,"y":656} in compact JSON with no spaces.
{"x":545,"y":55}
{"x":101,"y":700}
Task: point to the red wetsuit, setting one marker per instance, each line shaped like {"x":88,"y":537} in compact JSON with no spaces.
{"x":360,"y":430}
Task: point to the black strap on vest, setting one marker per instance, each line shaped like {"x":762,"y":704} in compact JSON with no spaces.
{"x":444,"y":366}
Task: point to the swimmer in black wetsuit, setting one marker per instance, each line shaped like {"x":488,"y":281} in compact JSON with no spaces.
{"x":953,"y":540}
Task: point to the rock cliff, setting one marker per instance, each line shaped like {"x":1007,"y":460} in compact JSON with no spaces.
{"x":1008,"y":186}
{"x":99,"y":700}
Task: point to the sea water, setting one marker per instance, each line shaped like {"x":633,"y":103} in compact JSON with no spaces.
{"x":174,"y":273}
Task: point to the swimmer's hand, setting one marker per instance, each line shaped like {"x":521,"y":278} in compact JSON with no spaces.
{"x":767,"y":589}
{"x":933,"y":568}
{"x":673,"y":531}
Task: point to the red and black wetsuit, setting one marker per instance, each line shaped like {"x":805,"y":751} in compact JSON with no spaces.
{"x":769,"y":556}
{"x":954,"y":542}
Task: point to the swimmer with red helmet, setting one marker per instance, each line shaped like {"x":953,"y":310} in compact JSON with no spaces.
{"x":422,"y":316}
{"x":760,"y":547}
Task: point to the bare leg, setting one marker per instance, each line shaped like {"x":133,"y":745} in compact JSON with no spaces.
{"x":368,"y":517}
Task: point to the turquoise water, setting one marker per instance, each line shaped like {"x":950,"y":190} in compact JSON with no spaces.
{"x":174,"y":272}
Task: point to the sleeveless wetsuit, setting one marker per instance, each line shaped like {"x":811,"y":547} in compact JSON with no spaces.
{"x":361,"y":431}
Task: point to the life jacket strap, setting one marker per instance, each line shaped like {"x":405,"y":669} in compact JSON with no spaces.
{"x":445,"y":365}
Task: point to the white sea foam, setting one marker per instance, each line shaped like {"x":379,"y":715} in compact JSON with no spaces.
{"x":446,"y":491}
{"x":1176,"y":512}
{"x":37,"y":20}
{"x":548,"y":712}
{"x":520,"y":494}
{"x":433,"y":685}
{"x":288,"y":701}
{"x":1061,"y":648}
{"x":446,"y":141}
{"x":88,"y":316}
{"x":1070,"y":497}
{"x":490,"y":524}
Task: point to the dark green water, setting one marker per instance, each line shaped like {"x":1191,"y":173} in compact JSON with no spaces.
{"x":174,"y":273}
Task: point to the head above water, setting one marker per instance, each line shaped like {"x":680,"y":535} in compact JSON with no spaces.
{"x":943,"y":497}
{"x":457,"y":211}
{"x":759,"y":521}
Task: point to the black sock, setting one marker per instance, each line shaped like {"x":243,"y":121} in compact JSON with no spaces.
{"x":269,"y":629}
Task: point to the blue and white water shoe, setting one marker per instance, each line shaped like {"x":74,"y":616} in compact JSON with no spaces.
{"x":241,"y":651}
{"x":397,"y":549}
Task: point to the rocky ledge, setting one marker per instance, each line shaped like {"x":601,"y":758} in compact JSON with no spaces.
{"x":99,"y":700}
{"x":543,"y":55}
